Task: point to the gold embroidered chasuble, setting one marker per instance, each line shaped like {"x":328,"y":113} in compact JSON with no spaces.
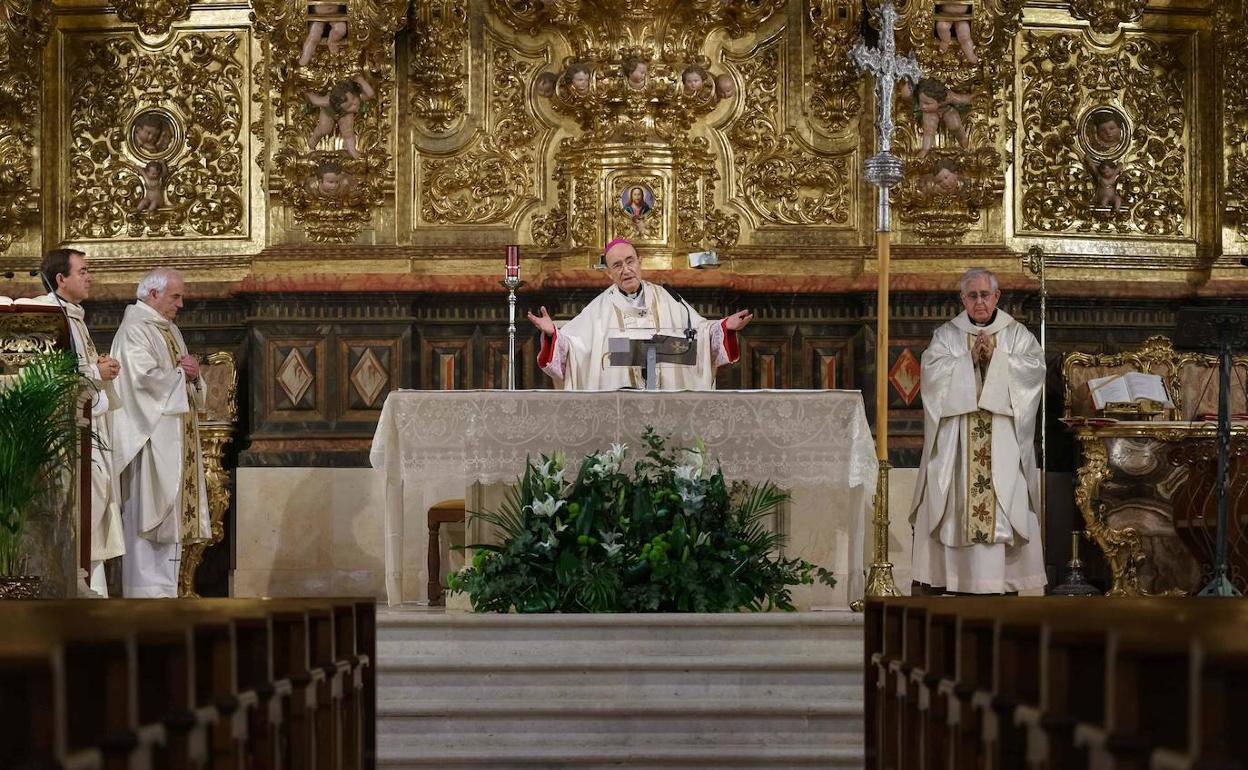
{"x":189,"y":504}
{"x":981,"y":501}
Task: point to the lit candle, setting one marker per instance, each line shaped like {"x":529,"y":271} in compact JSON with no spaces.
{"x":513,"y":261}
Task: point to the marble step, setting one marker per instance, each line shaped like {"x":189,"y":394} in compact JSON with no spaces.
{"x":608,"y":636}
{"x":679,"y":758}
{"x":655,"y":724}
{"x":421,"y":678}
{"x":764,"y":690}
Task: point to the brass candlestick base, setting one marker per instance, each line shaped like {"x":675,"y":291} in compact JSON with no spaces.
{"x":1075,"y":583}
{"x":880,"y":576}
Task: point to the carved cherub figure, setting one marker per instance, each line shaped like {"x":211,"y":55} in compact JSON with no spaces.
{"x":153,"y":176}
{"x":150,"y":133}
{"x":945,"y":179}
{"x":577,"y":76}
{"x":694,"y":79}
{"x":1105,"y":173}
{"x":636,"y":70}
{"x":956,"y":18}
{"x":725,"y":86}
{"x":936,"y":105}
{"x":1107,"y":131}
{"x":339,"y":107}
{"x":331,"y":182}
{"x":544,"y":86}
{"x":316,"y":30}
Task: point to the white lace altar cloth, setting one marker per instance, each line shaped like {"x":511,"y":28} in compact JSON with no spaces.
{"x":431,"y":446}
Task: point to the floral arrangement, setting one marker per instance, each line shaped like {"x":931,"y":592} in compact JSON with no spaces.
{"x":668,"y":538}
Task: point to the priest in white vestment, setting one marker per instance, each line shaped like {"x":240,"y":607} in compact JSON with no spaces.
{"x":976,"y":529}
{"x":575,"y":355}
{"x":66,"y":271}
{"x":156,"y":439}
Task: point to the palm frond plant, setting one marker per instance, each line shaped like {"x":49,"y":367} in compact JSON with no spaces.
{"x":39,"y":435}
{"x":668,"y":538}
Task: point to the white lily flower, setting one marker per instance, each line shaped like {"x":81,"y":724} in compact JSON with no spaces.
{"x":559,"y":526}
{"x":695,"y":458}
{"x":549,"y":543}
{"x":604,"y":465}
{"x":687,"y":473}
{"x":616,"y":455}
{"x":613,"y":548}
{"x":548,"y":507}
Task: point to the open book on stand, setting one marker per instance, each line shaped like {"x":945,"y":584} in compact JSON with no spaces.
{"x":1131,"y":388}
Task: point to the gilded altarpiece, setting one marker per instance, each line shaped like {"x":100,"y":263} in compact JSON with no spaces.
{"x":481,"y":167}
{"x":677,"y":125}
{"x":151,"y":142}
{"x":327,"y":85}
{"x":1231,"y":23}
{"x":23,"y":32}
{"x":1111,"y":124}
{"x":955,"y":120}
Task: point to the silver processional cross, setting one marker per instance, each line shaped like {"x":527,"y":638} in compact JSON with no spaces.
{"x":884,"y":170}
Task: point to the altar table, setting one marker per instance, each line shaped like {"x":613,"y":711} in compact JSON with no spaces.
{"x":433,"y":446}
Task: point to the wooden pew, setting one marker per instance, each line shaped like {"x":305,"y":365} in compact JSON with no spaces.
{"x":1058,"y":683}
{"x":187,"y":683}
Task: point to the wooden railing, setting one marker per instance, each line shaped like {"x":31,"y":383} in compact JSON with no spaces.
{"x":209,"y":683}
{"x":1056,"y":683}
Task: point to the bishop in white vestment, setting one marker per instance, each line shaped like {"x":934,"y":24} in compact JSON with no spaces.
{"x":974,"y":512}
{"x":156,"y":439}
{"x":66,"y":270}
{"x":575,"y":356}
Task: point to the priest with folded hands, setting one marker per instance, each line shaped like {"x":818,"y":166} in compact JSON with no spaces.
{"x":976,"y":529}
{"x":575,"y":355}
{"x":156,"y":439}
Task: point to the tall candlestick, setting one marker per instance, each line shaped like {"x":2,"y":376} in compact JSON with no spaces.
{"x":511,"y":281}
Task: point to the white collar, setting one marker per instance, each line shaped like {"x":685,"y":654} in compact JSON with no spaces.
{"x":964,"y":322}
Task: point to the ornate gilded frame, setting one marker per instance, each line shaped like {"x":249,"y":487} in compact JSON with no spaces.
{"x":216,"y":429}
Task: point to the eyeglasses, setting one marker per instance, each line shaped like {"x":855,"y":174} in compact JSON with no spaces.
{"x":615,"y":267}
{"x":976,"y":295}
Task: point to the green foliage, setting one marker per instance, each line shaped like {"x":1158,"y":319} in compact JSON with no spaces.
{"x":665,"y":539}
{"x":38,"y":440}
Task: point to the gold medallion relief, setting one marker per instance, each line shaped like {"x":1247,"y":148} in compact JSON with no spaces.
{"x":154,"y":137}
{"x":1103,"y":136}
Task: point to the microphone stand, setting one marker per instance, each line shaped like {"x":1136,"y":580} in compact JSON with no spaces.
{"x":690,"y":334}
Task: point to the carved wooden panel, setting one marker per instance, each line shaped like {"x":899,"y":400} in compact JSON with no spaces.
{"x":368,"y":369}
{"x":827,"y":363}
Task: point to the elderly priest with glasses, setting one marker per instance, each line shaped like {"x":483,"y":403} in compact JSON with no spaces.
{"x":579,"y":356}
{"x":974,"y":512}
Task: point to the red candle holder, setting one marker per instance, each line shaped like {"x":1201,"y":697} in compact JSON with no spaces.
{"x":513,"y":262}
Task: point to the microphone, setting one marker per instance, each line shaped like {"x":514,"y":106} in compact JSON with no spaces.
{"x":9,"y":274}
{"x":689,"y":333}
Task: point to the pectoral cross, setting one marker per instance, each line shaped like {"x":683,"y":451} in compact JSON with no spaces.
{"x":884,"y":170}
